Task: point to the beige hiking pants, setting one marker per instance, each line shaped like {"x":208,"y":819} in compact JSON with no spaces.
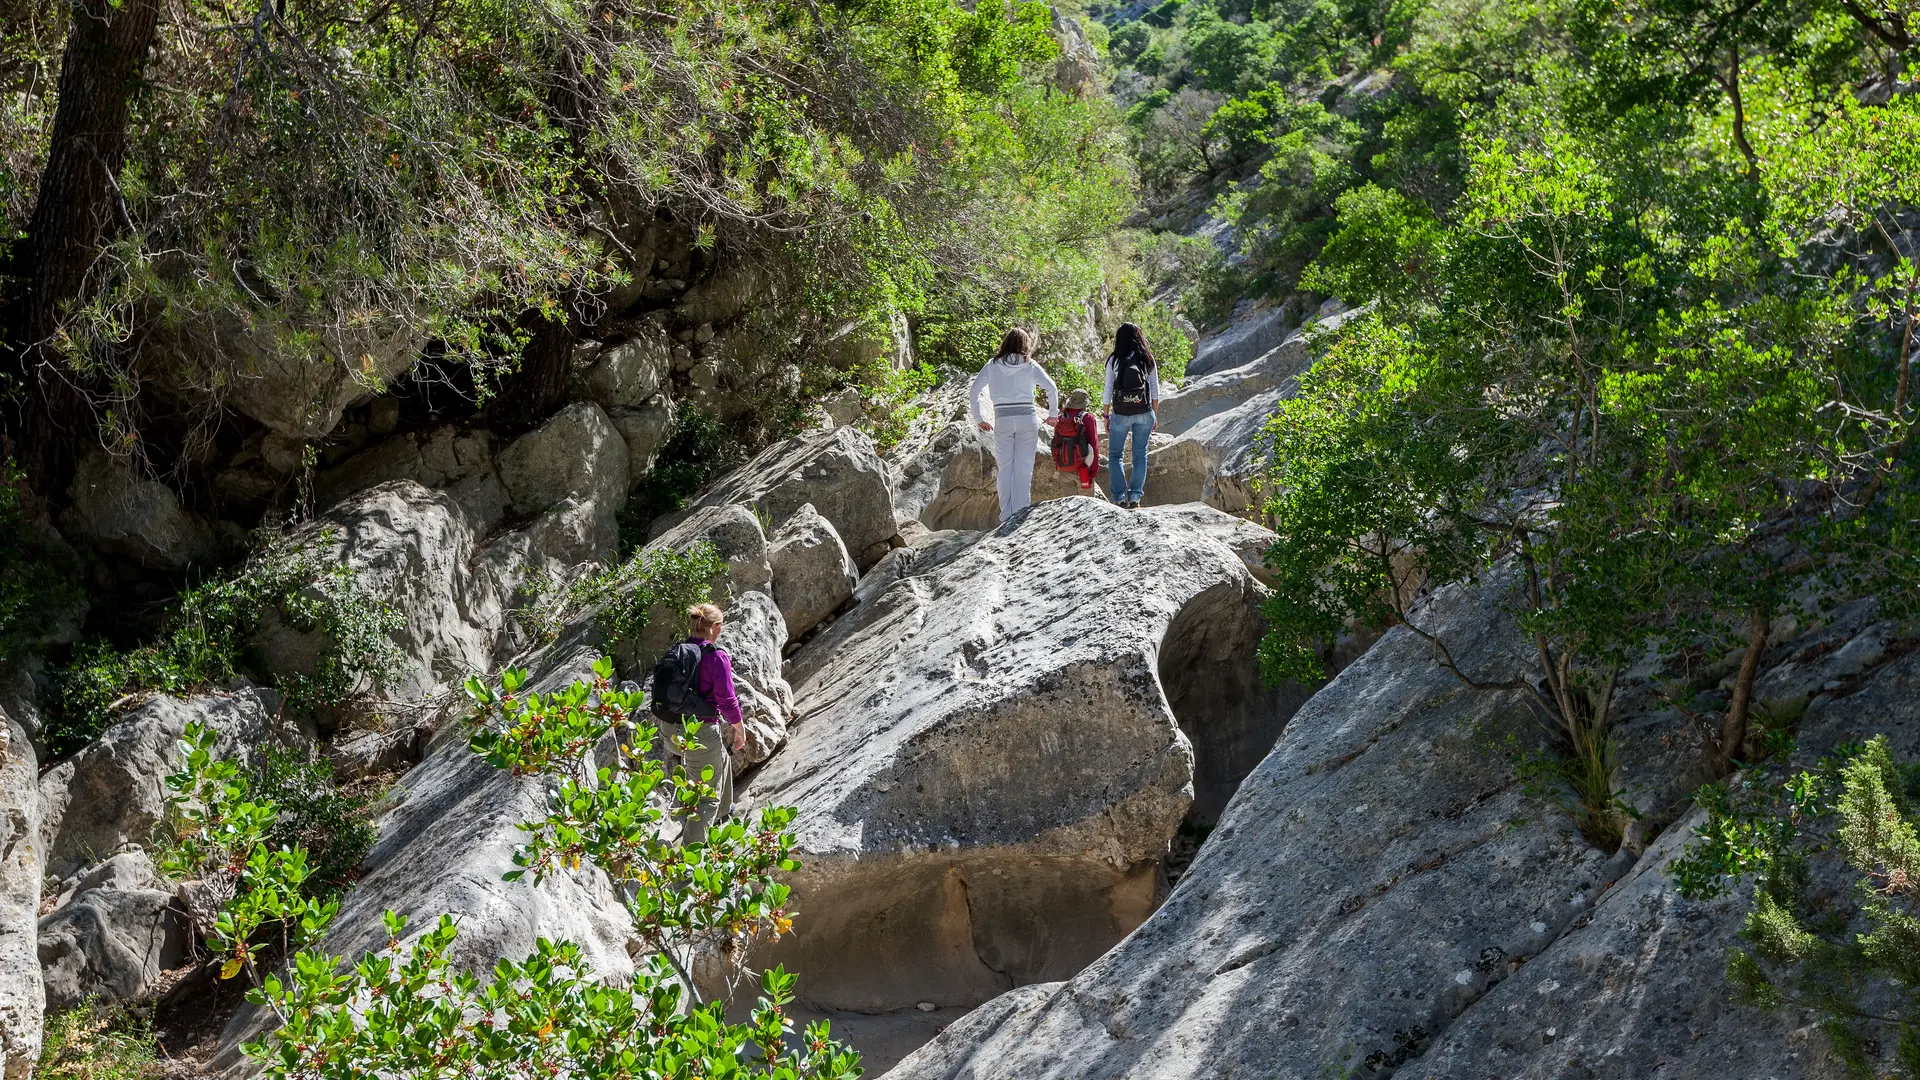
{"x":712,"y":754}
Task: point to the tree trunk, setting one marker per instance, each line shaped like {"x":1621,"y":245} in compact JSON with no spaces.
{"x":73,"y":215}
{"x":1733,"y":727}
{"x":538,"y":386}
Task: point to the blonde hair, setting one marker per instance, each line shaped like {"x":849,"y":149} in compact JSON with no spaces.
{"x":703,"y":617}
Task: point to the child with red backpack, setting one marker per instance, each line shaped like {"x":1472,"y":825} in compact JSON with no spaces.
{"x":1076,"y":440}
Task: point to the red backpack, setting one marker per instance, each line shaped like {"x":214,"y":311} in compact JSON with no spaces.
{"x":1072,"y":442}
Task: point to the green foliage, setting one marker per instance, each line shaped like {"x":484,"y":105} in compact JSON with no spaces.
{"x":1855,"y":962}
{"x":698,"y":450}
{"x":206,"y":634}
{"x":233,"y":836}
{"x":624,"y":598}
{"x":359,"y":186}
{"x":405,"y":1010}
{"x":92,"y":1042}
{"x":1647,"y":377}
{"x":894,"y":401}
{"x":40,"y":585}
{"x":311,"y":813}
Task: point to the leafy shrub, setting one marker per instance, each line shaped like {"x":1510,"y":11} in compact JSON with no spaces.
{"x":698,"y":450}
{"x":41,"y":580}
{"x":893,"y":398}
{"x":93,"y":1042}
{"x":405,"y":1011}
{"x":205,"y":641}
{"x":234,"y":836}
{"x":625,"y":596}
{"x":310,"y":812}
{"x":1855,"y":961}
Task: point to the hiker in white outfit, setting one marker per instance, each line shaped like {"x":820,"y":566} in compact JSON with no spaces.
{"x":1007,"y":383}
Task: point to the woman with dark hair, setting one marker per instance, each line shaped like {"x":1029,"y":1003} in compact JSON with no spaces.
{"x":1008,"y":382}
{"x":1131,"y":396}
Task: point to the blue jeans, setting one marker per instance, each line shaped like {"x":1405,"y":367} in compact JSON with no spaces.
{"x":1140,"y":425}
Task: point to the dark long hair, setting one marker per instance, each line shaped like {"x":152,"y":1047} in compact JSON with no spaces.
{"x":1129,"y":341}
{"x":1016,"y":343}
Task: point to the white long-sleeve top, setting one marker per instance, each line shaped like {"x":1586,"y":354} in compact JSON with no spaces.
{"x":1153,"y":383}
{"x":1004,"y":383}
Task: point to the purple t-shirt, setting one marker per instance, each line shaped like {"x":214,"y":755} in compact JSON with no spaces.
{"x":714,"y":681}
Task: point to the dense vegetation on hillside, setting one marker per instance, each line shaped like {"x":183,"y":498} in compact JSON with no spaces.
{"x":205,"y":188}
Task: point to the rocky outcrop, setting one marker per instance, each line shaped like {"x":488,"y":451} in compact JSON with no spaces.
{"x":443,"y":848}
{"x":993,"y":760}
{"x":115,"y":933}
{"x":1242,"y":342}
{"x":21,"y":869}
{"x":577,"y":454}
{"x":754,"y":636}
{"x":115,"y":509}
{"x":413,"y":549}
{"x":1382,"y":898}
{"x":838,"y":471}
{"x":812,"y":572}
{"x":570,"y":475}
{"x":113,"y":793}
{"x":454,"y":458}
{"x":646,"y":429}
{"x":629,"y":373}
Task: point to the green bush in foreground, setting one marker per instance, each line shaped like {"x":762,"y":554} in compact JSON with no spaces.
{"x":406,"y":1011}
{"x":1853,"y":960}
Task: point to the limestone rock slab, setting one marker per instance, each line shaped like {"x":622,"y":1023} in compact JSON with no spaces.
{"x":22,"y":999}
{"x":113,"y":793}
{"x":992,"y":762}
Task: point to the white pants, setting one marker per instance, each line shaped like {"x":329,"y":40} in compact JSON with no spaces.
{"x":1015,"y":435}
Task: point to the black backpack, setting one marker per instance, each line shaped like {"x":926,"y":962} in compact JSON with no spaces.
{"x":1132,"y":394}
{"x":673,"y":695}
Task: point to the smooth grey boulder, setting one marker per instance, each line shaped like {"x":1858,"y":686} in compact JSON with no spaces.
{"x":22,"y":998}
{"x":412,"y":549}
{"x":1246,"y":340}
{"x":812,"y":572}
{"x":114,"y":938}
{"x":629,"y":373}
{"x":115,"y":509}
{"x":577,"y":454}
{"x":301,"y":391}
{"x":736,"y":536}
{"x":113,"y":793}
{"x":443,"y":847}
{"x":571,"y":474}
{"x":645,"y":428}
{"x":838,"y":471}
{"x":1383,"y":898}
{"x":992,"y":758}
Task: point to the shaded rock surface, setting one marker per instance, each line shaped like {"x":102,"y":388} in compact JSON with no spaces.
{"x":754,"y":636}
{"x":113,"y":938}
{"x":115,"y":509}
{"x":838,"y":471}
{"x":22,"y":999}
{"x":992,"y":759}
{"x":113,"y":793}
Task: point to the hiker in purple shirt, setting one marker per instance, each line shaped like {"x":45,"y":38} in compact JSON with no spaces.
{"x":715,"y":704}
